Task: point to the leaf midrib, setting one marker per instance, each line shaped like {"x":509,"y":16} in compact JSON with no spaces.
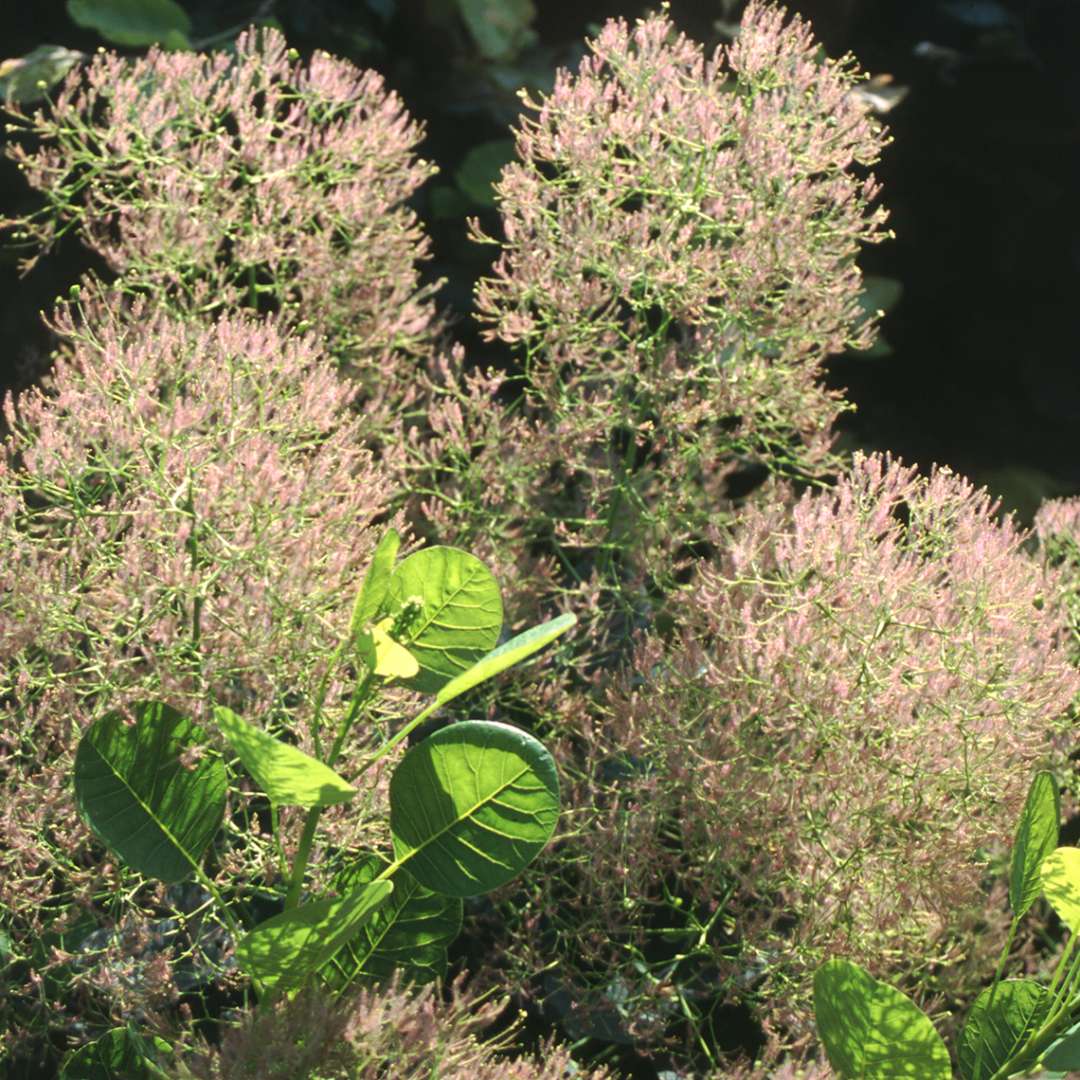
{"x":472,"y":573}
{"x":145,"y":808}
{"x":468,"y":814}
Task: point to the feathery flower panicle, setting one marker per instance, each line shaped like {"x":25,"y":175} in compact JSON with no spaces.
{"x":690,"y":222}
{"x":223,"y":181}
{"x":1057,"y":525}
{"x":187,"y":516}
{"x":391,"y":1030}
{"x":678,"y":258}
{"x":842,"y":731}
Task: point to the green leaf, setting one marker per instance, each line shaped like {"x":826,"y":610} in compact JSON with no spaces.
{"x":1061,"y":885}
{"x":480,"y":169}
{"x":1000,"y":1026}
{"x":408,"y":934}
{"x":288,"y":775}
{"x":120,"y":1054}
{"x":26,"y":79}
{"x":1065,"y":1052}
{"x":459,"y":613}
{"x":506,"y":655}
{"x":472,"y":805}
{"x":134,"y":22}
{"x":392,"y":661}
{"x":1036,"y":838}
{"x":177,"y":41}
{"x":871,"y":1031}
{"x":283,"y":951}
{"x":156,"y":812}
{"x":447,"y":203}
{"x":376,"y":582}
{"x":879,"y":296}
{"x":500,"y":28}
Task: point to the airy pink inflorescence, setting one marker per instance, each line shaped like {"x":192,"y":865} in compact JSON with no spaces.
{"x":187,"y":515}
{"x":836,"y":741}
{"x":242,"y":179}
{"x":675,"y":214}
{"x":677,"y":259}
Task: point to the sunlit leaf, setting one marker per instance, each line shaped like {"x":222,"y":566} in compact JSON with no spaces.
{"x":1000,"y":1022}
{"x":376,"y":581}
{"x":873,"y":1032}
{"x":512,"y":652}
{"x":447,"y":612}
{"x":472,"y":805}
{"x":1036,"y":838}
{"x":150,"y":790}
{"x":286,"y":774}
{"x":392,"y":661}
{"x":1061,"y":885}
{"x":283,"y":951}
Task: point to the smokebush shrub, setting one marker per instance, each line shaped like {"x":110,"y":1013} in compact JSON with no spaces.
{"x":186,"y":514}
{"x":1057,"y":526}
{"x":677,"y":260}
{"x":819,"y":764}
{"x":380,"y":1032}
{"x":813,"y":749}
{"x":226,"y":181}
{"x":1016,"y":1026}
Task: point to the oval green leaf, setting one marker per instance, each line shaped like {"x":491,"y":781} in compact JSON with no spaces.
{"x":873,"y":1032}
{"x":156,"y":811}
{"x":134,"y":22}
{"x":1061,"y":885}
{"x":121,"y":1052}
{"x":29,"y":78}
{"x":283,"y":951}
{"x":500,"y":31}
{"x":459,"y":613}
{"x":1000,"y":1022}
{"x":1065,"y":1053}
{"x":287,"y":775}
{"x":506,"y":655}
{"x":376,"y":582}
{"x":392,"y":661}
{"x":1036,"y":838}
{"x":472,"y":805}
{"x":409,"y":934}
{"x":480,"y":170}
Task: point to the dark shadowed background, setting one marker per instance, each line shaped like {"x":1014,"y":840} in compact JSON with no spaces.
{"x":980,"y":365}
